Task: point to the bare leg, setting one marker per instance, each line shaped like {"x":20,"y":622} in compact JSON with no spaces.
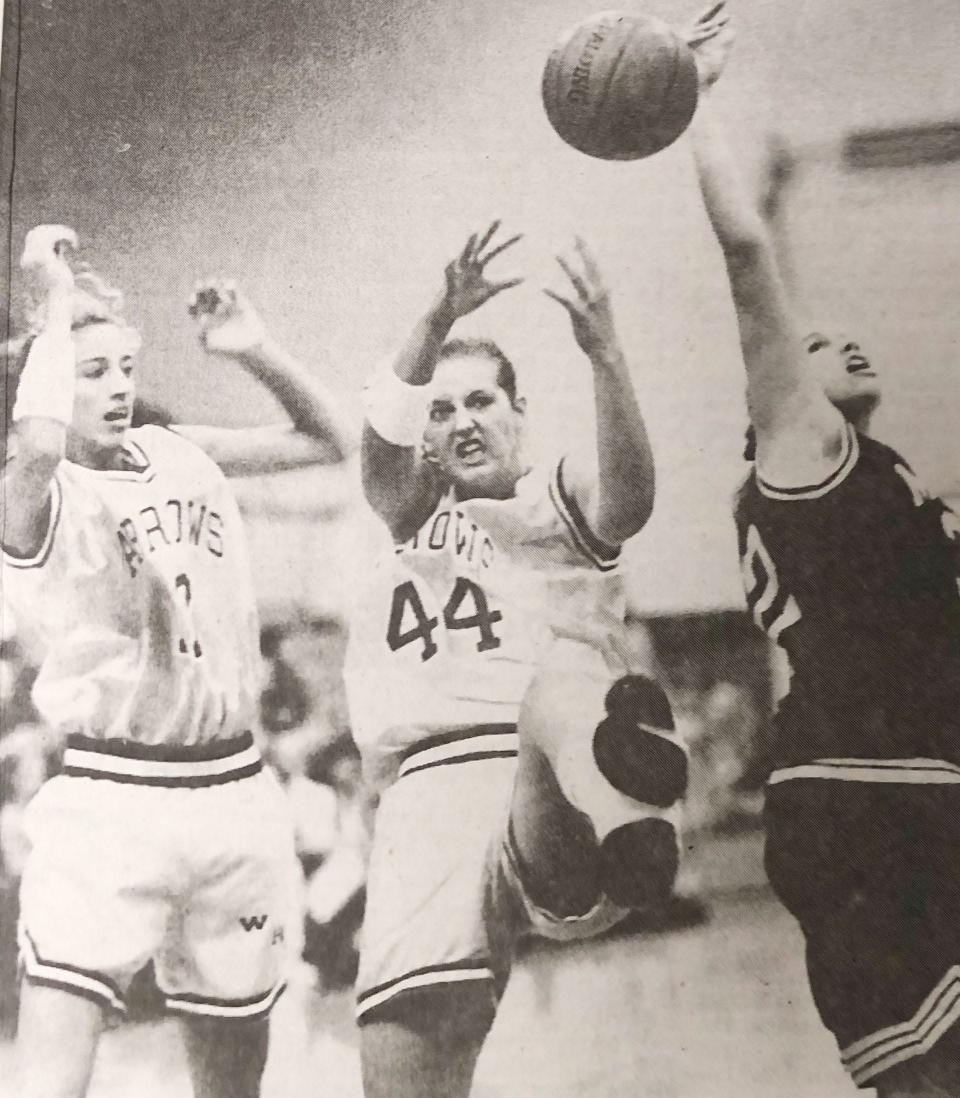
{"x":57,"y":1038}
{"x":556,"y":845}
{"x":226,"y":1056}
{"x":426,"y":1046}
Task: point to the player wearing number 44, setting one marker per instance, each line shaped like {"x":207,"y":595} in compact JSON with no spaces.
{"x":123,"y":552}
{"x":531,"y":783}
{"x":851,"y":566}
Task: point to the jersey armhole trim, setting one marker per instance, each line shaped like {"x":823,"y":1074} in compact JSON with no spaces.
{"x":845,"y":465}
{"x":598,"y":552}
{"x":39,"y":558}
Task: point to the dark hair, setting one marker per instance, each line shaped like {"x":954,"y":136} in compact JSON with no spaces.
{"x":484,"y":348}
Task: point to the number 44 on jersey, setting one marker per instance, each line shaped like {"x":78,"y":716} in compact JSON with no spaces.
{"x":466,"y":608}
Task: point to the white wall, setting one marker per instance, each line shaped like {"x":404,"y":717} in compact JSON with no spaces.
{"x":333,"y":154}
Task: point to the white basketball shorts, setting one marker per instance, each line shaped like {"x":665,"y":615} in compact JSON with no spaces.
{"x":180,"y":856}
{"x":446,"y":901}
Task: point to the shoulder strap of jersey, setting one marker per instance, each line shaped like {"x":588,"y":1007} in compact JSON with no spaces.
{"x":597,"y":551}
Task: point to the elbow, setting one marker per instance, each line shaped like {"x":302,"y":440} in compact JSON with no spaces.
{"x":341,"y":445}
{"x":383,"y":497}
{"x":37,"y":468}
{"x":332,"y":442}
{"x":743,"y":234}
{"x":744,"y":247}
{"x":629,"y":513}
{"x":39,"y":445}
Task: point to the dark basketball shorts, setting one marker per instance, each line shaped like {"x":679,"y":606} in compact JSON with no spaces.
{"x":870,"y":868}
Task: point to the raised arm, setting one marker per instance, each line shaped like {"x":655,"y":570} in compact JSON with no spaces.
{"x":617,"y":496}
{"x":317,"y":433}
{"x":43,"y":407}
{"x":398,"y":484}
{"x":798,"y":429}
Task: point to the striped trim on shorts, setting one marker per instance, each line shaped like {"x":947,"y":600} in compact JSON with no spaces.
{"x":257,"y":1006}
{"x":868,"y":1057}
{"x":917,"y":771}
{"x":191,"y":766}
{"x":454,"y":972}
{"x":485,"y":741}
{"x":476,"y":744}
{"x":78,"y":981}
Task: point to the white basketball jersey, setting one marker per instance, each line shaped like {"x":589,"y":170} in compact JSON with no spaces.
{"x":142,"y":599}
{"x":452,"y":627}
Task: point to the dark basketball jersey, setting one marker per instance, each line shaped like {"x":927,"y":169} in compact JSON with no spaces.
{"x":856,"y":578}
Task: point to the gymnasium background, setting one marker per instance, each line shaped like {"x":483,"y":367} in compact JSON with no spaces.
{"x":331,"y":155}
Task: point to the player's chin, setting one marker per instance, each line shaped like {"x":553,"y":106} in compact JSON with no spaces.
{"x":860,"y":398}
{"x":475,"y":479}
{"x":112,"y":435}
{"x":868,"y":389}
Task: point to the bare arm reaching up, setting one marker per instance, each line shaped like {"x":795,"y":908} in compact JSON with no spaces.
{"x":43,"y":408}
{"x":398,"y":484}
{"x":316,"y":435}
{"x":800,"y":434}
{"x":617,"y":497}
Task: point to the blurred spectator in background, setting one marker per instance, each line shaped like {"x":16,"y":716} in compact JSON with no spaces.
{"x":720,"y":726}
{"x":26,"y":758}
{"x":308,"y":742}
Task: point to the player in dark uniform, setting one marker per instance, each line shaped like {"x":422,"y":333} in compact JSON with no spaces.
{"x":851,"y":566}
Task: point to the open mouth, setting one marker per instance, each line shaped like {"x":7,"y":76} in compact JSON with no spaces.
{"x":857,"y":364}
{"x":118,"y":415}
{"x":469,"y":448}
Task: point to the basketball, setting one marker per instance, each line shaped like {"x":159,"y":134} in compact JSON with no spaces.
{"x":620,"y":86}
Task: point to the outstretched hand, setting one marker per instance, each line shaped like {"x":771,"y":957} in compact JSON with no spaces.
{"x":710,"y":37}
{"x":589,"y":305}
{"x":228,"y":323}
{"x":467,"y":284}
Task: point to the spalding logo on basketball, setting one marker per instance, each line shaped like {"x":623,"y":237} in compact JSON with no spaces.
{"x":620,"y":86}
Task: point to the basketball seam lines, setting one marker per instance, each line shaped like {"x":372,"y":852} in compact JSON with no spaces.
{"x":609,"y":81}
{"x":668,"y":92}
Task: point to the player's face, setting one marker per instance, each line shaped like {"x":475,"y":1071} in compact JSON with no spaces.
{"x":103,"y":405}
{"x":848,"y":377}
{"x":473,"y":430}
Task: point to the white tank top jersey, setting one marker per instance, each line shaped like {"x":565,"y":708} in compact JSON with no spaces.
{"x":142,"y":600}
{"x":451,"y":628}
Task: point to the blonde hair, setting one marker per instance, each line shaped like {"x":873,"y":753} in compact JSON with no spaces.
{"x":95,"y":301}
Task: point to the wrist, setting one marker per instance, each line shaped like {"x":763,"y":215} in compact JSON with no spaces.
{"x":607,"y":357}
{"x":261,"y":350}
{"x":441,"y":316}
{"x":259,"y":353}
